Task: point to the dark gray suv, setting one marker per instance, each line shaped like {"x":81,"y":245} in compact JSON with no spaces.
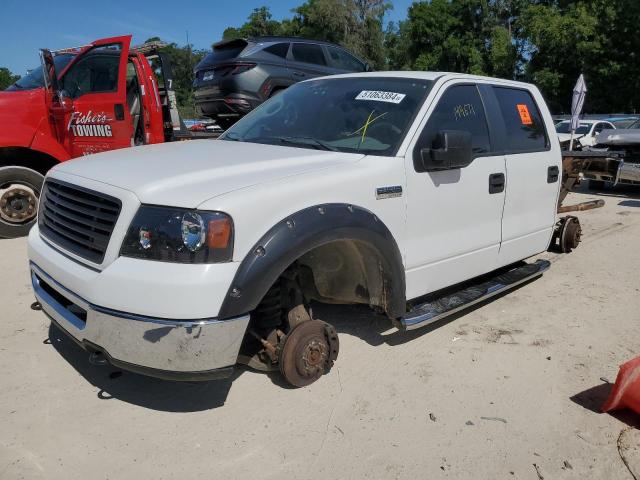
{"x":238,"y":75}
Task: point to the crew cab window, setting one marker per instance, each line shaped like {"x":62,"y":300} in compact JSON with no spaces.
{"x":460,"y":108}
{"x":278,"y":49}
{"x":341,"y":59}
{"x":524,"y":126}
{"x":95,"y":72}
{"x":308,"y":53}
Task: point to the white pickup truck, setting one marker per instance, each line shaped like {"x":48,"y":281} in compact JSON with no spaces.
{"x":415,"y":193}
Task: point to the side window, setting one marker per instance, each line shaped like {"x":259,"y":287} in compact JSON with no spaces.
{"x":602,"y":126}
{"x":460,"y":108}
{"x":341,"y":59}
{"x":524,"y":126}
{"x":308,"y":53}
{"x":95,"y":72}
{"x":278,"y":49}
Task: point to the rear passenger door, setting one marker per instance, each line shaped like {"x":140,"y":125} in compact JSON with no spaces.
{"x":307,"y":60}
{"x":453,"y":216}
{"x":343,"y":61}
{"x":534,"y":171}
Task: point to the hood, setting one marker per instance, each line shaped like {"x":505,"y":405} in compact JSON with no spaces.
{"x":21,"y":112}
{"x":185,"y":174}
{"x":623,"y":136}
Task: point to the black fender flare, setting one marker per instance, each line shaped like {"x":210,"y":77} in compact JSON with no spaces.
{"x":300,"y":233}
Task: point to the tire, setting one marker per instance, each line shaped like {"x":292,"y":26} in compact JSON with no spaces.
{"x":595,"y":185}
{"x":12,"y":175}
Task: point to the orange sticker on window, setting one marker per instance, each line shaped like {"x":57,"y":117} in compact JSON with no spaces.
{"x":523,"y":110}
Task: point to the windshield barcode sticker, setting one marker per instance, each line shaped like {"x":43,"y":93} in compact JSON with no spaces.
{"x":379,"y":96}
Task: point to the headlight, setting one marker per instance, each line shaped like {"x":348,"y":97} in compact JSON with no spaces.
{"x":178,"y":235}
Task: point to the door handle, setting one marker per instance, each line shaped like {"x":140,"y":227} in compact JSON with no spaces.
{"x":553,"y":173}
{"x":118,"y":110}
{"x":496,"y":183}
{"x":299,"y":74}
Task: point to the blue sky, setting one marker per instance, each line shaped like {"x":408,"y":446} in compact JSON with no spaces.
{"x":27,"y":25}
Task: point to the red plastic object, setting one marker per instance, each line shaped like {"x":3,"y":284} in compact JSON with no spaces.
{"x":626,"y":391}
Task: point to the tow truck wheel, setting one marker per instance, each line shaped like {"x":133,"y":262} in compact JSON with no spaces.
{"x":308,"y":352}
{"x":19,"y":192}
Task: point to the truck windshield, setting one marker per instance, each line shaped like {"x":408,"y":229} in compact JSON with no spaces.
{"x":34,"y":78}
{"x":565,"y":127}
{"x":352,"y":114}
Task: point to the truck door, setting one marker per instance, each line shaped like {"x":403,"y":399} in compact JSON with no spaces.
{"x":534,"y":172}
{"x":453,"y":216}
{"x":96,"y":84}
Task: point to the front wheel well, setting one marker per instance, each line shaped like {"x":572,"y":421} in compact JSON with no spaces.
{"x":26,"y":157}
{"x":345,"y":272}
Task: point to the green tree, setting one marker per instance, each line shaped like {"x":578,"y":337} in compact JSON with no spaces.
{"x":183,"y":61}
{"x":7,"y":78}
{"x":459,"y":35}
{"x":355,"y":24}
{"x":259,"y":23}
{"x":597,"y":38}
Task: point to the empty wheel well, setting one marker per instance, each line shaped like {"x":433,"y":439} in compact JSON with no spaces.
{"x":26,"y":157}
{"x":339,"y":272}
{"x":343,"y":254}
{"x":344,"y":271}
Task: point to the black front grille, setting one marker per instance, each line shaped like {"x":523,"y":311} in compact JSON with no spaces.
{"x":77,"y":219}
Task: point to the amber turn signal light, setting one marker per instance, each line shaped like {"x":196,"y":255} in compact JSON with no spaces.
{"x":219,"y":233}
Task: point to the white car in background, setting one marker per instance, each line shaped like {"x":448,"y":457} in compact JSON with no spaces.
{"x":585,"y":135}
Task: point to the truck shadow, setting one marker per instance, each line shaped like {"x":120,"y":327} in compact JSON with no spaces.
{"x":376,"y":329}
{"x":138,"y":389}
{"x":629,"y":203}
{"x":619,"y":191}
{"x":113,"y":383}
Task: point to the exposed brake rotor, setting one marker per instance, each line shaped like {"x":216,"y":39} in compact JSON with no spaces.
{"x":308,"y":351}
{"x":570,"y":234}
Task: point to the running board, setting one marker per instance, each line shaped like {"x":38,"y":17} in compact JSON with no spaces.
{"x":430,"y":312}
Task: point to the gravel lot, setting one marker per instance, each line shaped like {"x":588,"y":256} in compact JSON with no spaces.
{"x":508,"y":390}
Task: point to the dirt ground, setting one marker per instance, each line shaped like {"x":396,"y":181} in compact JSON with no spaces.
{"x":508,"y":390}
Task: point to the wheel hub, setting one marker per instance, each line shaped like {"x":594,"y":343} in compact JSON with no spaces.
{"x":18,"y":204}
{"x":307,"y":352}
{"x":313,"y":357}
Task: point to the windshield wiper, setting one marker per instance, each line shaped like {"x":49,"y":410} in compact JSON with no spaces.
{"x":306,"y":142}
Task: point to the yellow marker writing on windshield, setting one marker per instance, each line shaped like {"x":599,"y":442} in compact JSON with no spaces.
{"x":369,"y":121}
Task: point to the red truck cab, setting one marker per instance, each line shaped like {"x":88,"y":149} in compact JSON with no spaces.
{"x":81,"y":101}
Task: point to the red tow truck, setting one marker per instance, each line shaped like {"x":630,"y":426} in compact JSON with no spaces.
{"x":80,"y":101}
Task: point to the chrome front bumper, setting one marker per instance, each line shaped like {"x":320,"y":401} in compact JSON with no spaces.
{"x":170,"y":349}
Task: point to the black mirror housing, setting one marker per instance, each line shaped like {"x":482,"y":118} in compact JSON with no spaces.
{"x":450,"y":149}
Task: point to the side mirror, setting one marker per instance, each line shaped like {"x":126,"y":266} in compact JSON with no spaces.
{"x":367,"y":67}
{"x":449,"y":150}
